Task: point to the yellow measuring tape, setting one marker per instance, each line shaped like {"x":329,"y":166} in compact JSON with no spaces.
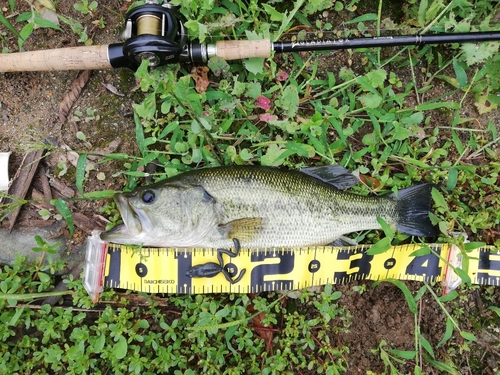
{"x":163,"y":270}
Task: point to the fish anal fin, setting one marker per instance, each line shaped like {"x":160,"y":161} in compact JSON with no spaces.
{"x":244,"y":229}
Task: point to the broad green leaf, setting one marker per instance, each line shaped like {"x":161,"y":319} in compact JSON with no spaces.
{"x":229,"y":336}
{"x":7,"y":24}
{"x":448,"y":332}
{"x":468,"y":336}
{"x":460,"y":73}
{"x":463,"y":275}
{"x":44,"y":278}
{"x":449,"y":297}
{"x":99,"y":343}
{"x":426,"y":345}
{"x":370,"y":100}
{"x":139,"y":135}
{"x":152,"y":156}
{"x":254,"y":65}
{"x":406,"y":354}
{"x":457,"y":141}
{"x":376,"y":77}
{"x":299,"y":149}
{"x":120,"y":348}
{"x":46,"y":23}
{"x":289,"y":100}
{"x":380,"y":247}
{"x":39,"y":240}
{"x":273,"y":13}
{"x":422,"y":9}
{"x":64,"y":210}
{"x":363,"y":18}
{"x":452,"y":179}
{"x":440,"y":365}
{"x":80,"y":173}
{"x":469,"y":246}
{"x":47,"y":4}
{"x":386,"y":228}
{"x":430,"y":106}
{"x":401,"y":133}
{"x":15,"y":317}
{"x":424,"y":250}
{"x":25,"y":33}
{"x":438,"y":198}
{"x":44,"y":213}
{"x":495,"y":309}
{"x":477,"y":53}
{"x":408,"y":296}
{"x":415,"y":119}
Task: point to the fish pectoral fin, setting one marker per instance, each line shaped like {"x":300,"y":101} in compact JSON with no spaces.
{"x":242,"y":229}
{"x":335,"y":175}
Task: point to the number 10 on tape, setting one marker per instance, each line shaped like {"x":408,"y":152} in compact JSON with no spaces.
{"x":163,"y":270}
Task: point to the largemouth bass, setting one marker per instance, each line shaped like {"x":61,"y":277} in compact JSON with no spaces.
{"x":261,"y":207}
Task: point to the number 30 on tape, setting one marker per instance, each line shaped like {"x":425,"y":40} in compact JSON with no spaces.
{"x":163,"y":270}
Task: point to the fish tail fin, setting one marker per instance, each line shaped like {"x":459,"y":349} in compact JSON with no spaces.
{"x":413,"y":208}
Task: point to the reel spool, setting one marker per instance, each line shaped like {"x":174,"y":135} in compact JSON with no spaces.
{"x":155,"y":33}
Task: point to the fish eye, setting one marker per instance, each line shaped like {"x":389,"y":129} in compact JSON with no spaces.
{"x":148,"y":196}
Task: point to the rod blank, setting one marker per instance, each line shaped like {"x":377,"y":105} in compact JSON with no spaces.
{"x":388,"y":41}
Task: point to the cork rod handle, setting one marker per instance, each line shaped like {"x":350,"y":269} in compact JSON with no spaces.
{"x":74,"y":58}
{"x":243,"y":49}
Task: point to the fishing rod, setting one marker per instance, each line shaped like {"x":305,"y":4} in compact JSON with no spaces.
{"x":156,"y":33}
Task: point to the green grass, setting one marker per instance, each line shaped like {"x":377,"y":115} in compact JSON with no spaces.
{"x":399,"y":117}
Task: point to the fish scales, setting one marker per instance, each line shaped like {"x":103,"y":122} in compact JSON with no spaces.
{"x":259,"y":206}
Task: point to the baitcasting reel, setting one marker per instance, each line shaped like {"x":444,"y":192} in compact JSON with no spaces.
{"x":155,"y":33}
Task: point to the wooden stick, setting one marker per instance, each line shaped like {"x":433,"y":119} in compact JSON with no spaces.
{"x":73,"y":58}
{"x":23,"y":180}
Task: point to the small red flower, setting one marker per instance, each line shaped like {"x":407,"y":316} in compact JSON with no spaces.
{"x":282,"y":76}
{"x":267,"y":117}
{"x":263,"y":102}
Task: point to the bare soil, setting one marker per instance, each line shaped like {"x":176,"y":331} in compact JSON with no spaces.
{"x":29,"y":113}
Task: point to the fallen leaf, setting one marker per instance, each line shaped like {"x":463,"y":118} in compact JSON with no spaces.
{"x":112,"y":89}
{"x":265,"y":333}
{"x":370,"y":181}
{"x":200,"y":76}
{"x":45,"y":3}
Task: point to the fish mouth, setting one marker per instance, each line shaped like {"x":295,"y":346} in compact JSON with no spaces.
{"x":134,"y":221}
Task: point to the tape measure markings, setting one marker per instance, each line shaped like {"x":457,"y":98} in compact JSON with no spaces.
{"x":163,"y":270}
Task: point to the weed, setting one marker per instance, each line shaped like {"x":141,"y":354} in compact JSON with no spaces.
{"x":398,"y":118}
{"x":85,"y":7}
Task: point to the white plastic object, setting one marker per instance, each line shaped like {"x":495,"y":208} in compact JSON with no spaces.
{"x":4,"y":171}
{"x":95,"y":261}
{"x":451,"y":280}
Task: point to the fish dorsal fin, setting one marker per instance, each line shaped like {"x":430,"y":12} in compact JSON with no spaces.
{"x":335,"y":175}
{"x":244,"y":229}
